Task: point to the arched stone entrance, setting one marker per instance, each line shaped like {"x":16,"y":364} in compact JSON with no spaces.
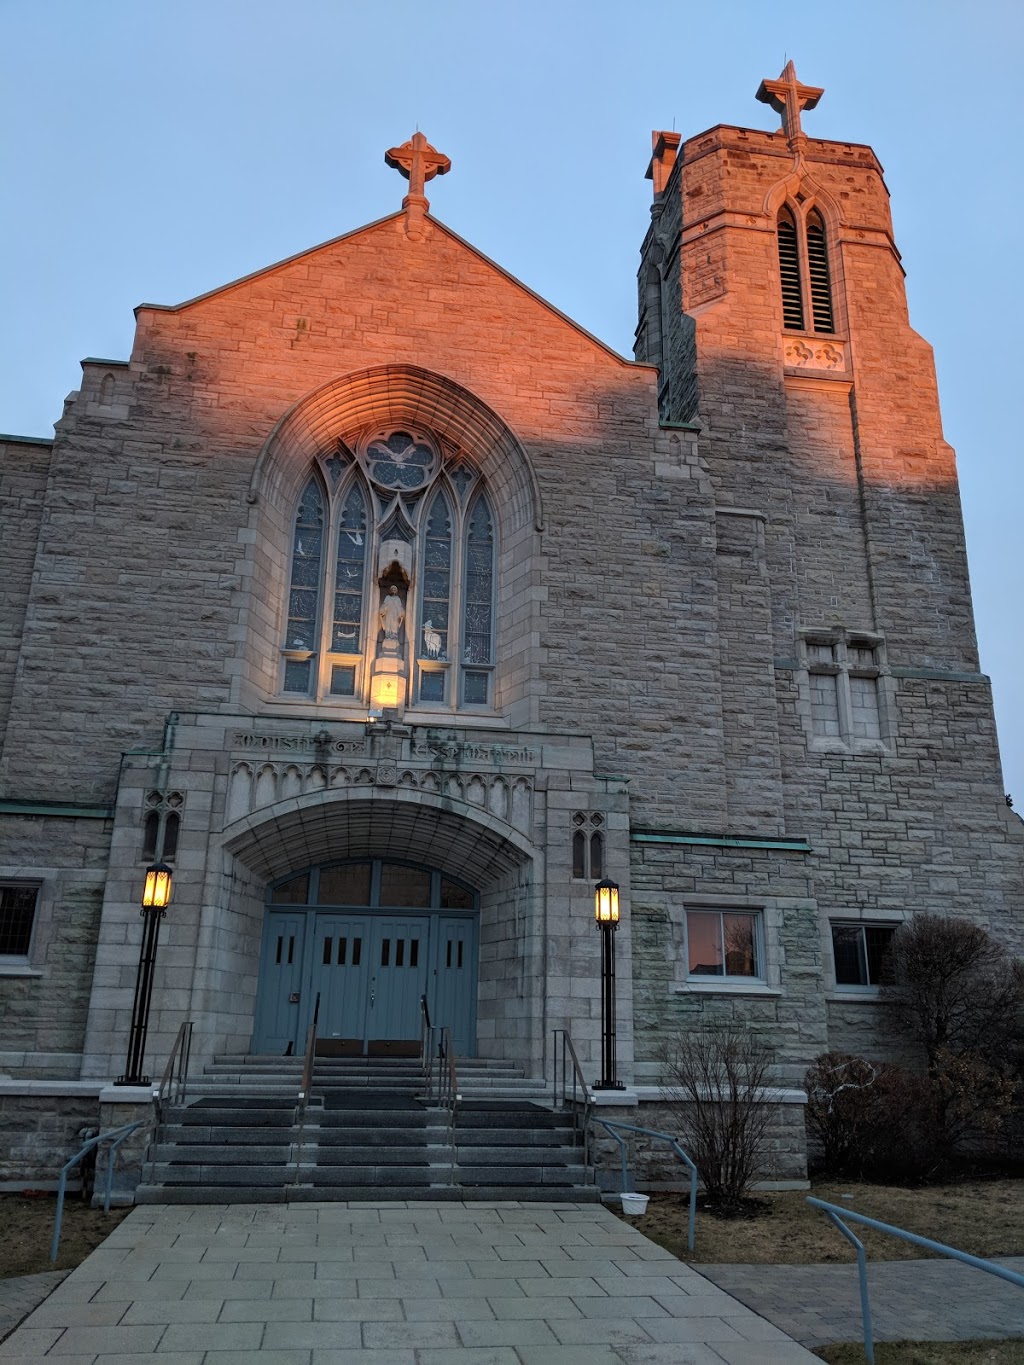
{"x":458,"y":844}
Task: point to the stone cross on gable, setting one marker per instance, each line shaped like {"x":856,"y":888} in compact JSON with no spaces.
{"x":418,"y":162}
{"x":788,"y":97}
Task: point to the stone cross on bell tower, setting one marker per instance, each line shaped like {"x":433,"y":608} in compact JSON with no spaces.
{"x":788,"y":97}
{"x":418,"y":162}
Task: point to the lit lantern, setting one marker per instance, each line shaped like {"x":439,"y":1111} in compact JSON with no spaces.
{"x":157,"y":893}
{"x":606,"y":903}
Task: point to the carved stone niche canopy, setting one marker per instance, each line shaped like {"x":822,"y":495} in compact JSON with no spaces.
{"x":814,"y":355}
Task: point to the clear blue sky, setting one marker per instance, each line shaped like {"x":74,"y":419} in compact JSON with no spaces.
{"x":156,"y":149}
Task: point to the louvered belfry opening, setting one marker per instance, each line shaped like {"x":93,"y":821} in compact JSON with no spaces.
{"x":789,"y":273}
{"x":817,"y":265}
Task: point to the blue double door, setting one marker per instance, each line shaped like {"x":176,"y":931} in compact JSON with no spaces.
{"x":369,"y":968}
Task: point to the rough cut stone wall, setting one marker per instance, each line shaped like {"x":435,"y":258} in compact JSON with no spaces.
{"x":43,"y":1007}
{"x":39,"y":1133}
{"x":23,"y":470}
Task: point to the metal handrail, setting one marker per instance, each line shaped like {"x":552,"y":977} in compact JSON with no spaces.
{"x":425,"y":1031}
{"x":835,"y":1214}
{"x":674,"y":1144}
{"x":305,"y":1086}
{"x":580,"y":1121}
{"x":446,"y":1095}
{"x":173,"y":1084}
{"x":113,"y":1135}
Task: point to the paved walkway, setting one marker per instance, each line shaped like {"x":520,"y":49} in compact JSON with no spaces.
{"x":390,"y":1284}
{"x":910,"y":1300}
{"x":21,"y":1294}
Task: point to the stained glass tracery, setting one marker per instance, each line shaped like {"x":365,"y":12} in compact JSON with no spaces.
{"x":341,"y":524}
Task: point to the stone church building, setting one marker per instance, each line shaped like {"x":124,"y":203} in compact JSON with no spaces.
{"x":392,"y":610}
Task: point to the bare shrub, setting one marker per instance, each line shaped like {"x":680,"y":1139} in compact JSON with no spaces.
{"x":719,"y":1078}
{"x":955,"y":990}
{"x":842,"y":1091}
{"x":960,"y":995}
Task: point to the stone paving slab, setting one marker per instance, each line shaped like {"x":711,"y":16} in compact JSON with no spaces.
{"x":21,"y":1294}
{"x":932,"y":1300}
{"x":389,"y":1284}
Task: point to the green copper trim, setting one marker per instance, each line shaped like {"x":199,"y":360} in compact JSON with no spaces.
{"x":721,"y":841}
{"x":939,"y":675}
{"x":66,"y":810}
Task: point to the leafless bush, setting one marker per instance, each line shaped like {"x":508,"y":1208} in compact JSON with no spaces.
{"x":955,"y":990}
{"x":719,"y":1079}
{"x":842,"y":1091}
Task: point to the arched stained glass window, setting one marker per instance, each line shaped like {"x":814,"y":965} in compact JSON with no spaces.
{"x":349,"y":576}
{"x":304,"y":592}
{"x":478,"y":605}
{"x":399,"y":512}
{"x":435,"y":597}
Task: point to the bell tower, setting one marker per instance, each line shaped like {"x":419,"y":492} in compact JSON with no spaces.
{"x":772,"y":301}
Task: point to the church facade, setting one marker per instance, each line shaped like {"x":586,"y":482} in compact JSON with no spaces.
{"x":393,"y":610}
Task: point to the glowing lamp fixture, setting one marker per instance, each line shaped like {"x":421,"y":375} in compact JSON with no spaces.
{"x":606,"y":903}
{"x":157,"y":892}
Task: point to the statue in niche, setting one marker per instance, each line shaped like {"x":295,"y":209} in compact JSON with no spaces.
{"x":392,"y":614}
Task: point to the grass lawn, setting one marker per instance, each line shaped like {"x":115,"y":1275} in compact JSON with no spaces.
{"x":928,"y":1353}
{"x":27,"y":1225}
{"x":983,"y":1217}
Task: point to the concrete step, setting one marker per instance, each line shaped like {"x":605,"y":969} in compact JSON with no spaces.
{"x":298,"y":1194}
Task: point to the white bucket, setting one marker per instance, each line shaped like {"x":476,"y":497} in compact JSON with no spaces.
{"x":634,"y":1204}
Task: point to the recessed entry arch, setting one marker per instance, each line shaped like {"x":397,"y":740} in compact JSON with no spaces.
{"x":454,"y":844}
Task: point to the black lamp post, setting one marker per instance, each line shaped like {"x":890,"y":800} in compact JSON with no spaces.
{"x":606,"y":912}
{"x":155,"y":898}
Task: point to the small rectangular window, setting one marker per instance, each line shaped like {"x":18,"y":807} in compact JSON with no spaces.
{"x":343,"y":680}
{"x":724,"y":944}
{"x":864,"y":719}
{"x":385,"y":953}
{"x":474,"y":688}
{"x":399,"y":952}
{"x":825,"y":704}
{"x":357,"y":951}
{"x":296,"y":675}
{"x":858,"y":951}
{"x":414,"y":952}
{"x":342,"y":948}
{"x":432,"y":685}
{"x":17,"y":914}
{"x":328,"y":948}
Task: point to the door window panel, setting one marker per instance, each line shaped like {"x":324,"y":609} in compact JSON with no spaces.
{"x":406,"y":886}
{"x":348,"y":884}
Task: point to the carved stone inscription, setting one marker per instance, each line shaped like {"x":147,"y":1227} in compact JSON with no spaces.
{"x":296,"y":744}
{"x":501,"y":755}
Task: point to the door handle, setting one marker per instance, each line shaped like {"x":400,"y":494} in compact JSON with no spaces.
{"x":373,"y":995}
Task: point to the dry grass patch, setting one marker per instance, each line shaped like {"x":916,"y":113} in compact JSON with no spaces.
{"x":928,"y":1353}
{"x":982,"y":1217}
{"x":28,"y":1229}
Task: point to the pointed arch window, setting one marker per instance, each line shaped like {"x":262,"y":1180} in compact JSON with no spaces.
{"x":304,"y":591}
{"x":478,"y":607}
{"x":817,"y":270}
{"x":392,"y":520}
{"x":804,"y":271}
{"x":435,"y":601}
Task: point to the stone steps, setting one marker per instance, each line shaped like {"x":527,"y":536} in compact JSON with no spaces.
{"x":367,"y":1134}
